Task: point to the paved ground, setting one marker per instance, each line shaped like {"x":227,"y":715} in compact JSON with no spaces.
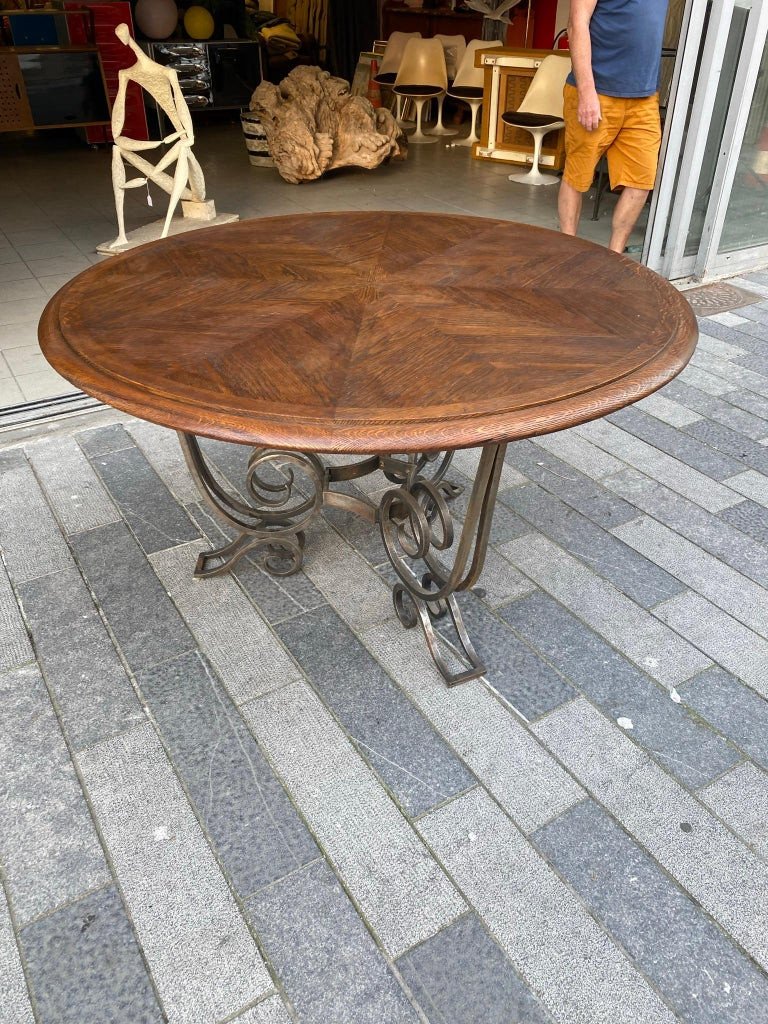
{"x":244,"y":800}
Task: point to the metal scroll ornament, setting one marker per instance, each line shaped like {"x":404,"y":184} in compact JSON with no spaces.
{"x":417,"y":527}
{"x":281,"y":507}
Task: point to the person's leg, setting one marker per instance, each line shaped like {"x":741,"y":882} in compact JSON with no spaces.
{"x":631,"y":202}
{"x":569,"y":202}
{"x":632,"y":162}
{"x":583,"y":150}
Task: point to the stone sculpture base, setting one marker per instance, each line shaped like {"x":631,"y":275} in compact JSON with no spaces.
{"x":152,"y":231}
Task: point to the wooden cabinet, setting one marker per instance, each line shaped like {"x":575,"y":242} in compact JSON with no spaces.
{"x":15,"y":113}
{"x":508,"y":76}
{"x":51,"y":74}
{"x":430,"y":21}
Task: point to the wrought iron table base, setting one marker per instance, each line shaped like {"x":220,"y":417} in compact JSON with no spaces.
{"x":287,"y":490}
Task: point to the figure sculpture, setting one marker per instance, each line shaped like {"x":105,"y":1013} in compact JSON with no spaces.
{"x":313,"y":125}
{"x":186,"y":182}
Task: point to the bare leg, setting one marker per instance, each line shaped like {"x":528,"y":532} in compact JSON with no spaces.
{"x":196,"y":179}
{"x":631,"y":201}
{"x":569,"y":208}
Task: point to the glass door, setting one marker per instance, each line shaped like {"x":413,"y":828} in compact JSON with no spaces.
{"x":710,"y":201}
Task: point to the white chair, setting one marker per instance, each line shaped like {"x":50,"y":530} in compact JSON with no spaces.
{"x":468,"y":85}
{"x":540,"y":113}
{"x":390,"y":62}
{"x":454,"y":48}
{"x":422,"y":77}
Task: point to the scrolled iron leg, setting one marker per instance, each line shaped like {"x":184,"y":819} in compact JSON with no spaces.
{"x":416,"y":524}
{"x":273,"y":521}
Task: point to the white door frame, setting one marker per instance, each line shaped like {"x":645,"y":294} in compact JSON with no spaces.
{"x":685,"y":138}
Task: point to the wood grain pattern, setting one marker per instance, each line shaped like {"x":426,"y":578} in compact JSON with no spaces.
{"x":368,"y":332}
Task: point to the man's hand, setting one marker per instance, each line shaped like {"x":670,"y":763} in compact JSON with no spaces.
{"x":589,"y":113}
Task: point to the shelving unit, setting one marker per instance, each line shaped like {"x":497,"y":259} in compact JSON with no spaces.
{"x":47,"y":84}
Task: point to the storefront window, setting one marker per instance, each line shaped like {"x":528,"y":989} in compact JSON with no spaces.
{"x":746,"y":221}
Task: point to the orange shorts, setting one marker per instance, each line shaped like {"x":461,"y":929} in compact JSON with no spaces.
{"x":629,"y":134}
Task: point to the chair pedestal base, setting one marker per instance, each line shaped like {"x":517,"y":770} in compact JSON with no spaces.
{"x":534,"y":177}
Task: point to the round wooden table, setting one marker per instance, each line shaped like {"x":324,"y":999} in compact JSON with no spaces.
{"x":400,"y":336}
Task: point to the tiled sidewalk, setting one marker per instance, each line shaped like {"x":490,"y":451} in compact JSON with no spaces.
{"x":255,"y":800}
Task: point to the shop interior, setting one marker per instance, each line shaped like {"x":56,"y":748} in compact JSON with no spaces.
{"x":59,"y":82}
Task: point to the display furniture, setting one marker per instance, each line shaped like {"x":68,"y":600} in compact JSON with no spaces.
{"x":390,"y":338}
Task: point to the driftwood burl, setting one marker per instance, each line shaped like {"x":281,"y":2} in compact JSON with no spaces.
{"x":313,"y":125}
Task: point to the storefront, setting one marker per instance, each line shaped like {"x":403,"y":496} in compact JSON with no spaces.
{"x":710,"y":209}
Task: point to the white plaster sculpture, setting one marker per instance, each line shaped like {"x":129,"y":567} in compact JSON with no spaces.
{"x":186,"y":182}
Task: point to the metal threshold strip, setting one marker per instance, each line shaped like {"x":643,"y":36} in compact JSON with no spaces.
{"x":47,"y":409}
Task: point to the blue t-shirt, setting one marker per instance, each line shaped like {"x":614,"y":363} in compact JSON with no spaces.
{"x":626,"y":46}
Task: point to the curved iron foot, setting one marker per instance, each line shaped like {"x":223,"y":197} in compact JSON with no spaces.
{"x":276,"y":553}
{"x":416,"y":525}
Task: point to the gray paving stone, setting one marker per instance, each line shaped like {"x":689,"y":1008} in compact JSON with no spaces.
{"x":752,"y":485}
{"x":230,"y":459}
{"x":727,"y":879}
{"x":401,"y":891}
{"x":467,"y":461}
{"x":30,"y":539}
{"x":390,"y":733}
{"x":716,"y":339}
{"x":737,"y":376}
{"x":202,"y":957}
{"x":143,"y":618}
{"x":706,"y":382}
{"x":567,"y":446}
{"x":74,"y":490}
{"x":740,"y":798}
{"x":733,"y":708}
{"x":756,"y":362}
{"x":258,"y":834}
{"x":703,"y":528}
{"x":637,"y":634}
{"x":639,"y":578}
{"x":750,"y":518}
{"x":269,"y":1011}
{"x":345,"y":579}
{"x":93,"y":693}
{"x":756,"y":404}
{"x":277,"y":598}
{"x":663,"y":407}
{"x":702,"y":572}
{"x":146,"y":504}
{"x":528,"y":783}
{"x":48,"y":845}
{"x":325,"y":958}
{"x":86,"y":967}
{"x":571,"y":486}
{"x":460,"y":976}
{"x":162,"y":449}
{"x":242,"y":648}
{"x":659,"y":466}
{"x":15,"y":648}
{"x":675,"y":443}
{"x":14,"y":998}
{"x":725,"y":439}
{"x":112,"y":438}
{"x":561,"y":952}
{"x":725,"y":640}
{"x":530,"y":685}
{"x":706,"y":979}
{"x":675,"y":738}
{"x":719,"y":410}
{"x":506,"y":525}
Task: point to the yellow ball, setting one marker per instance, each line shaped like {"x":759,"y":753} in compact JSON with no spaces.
{"x":198,"y":23}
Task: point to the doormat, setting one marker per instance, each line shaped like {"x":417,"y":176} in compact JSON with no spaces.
{"x":719,"y":297}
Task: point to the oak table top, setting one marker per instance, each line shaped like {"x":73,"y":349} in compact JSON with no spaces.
{"x":368,"y":332}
